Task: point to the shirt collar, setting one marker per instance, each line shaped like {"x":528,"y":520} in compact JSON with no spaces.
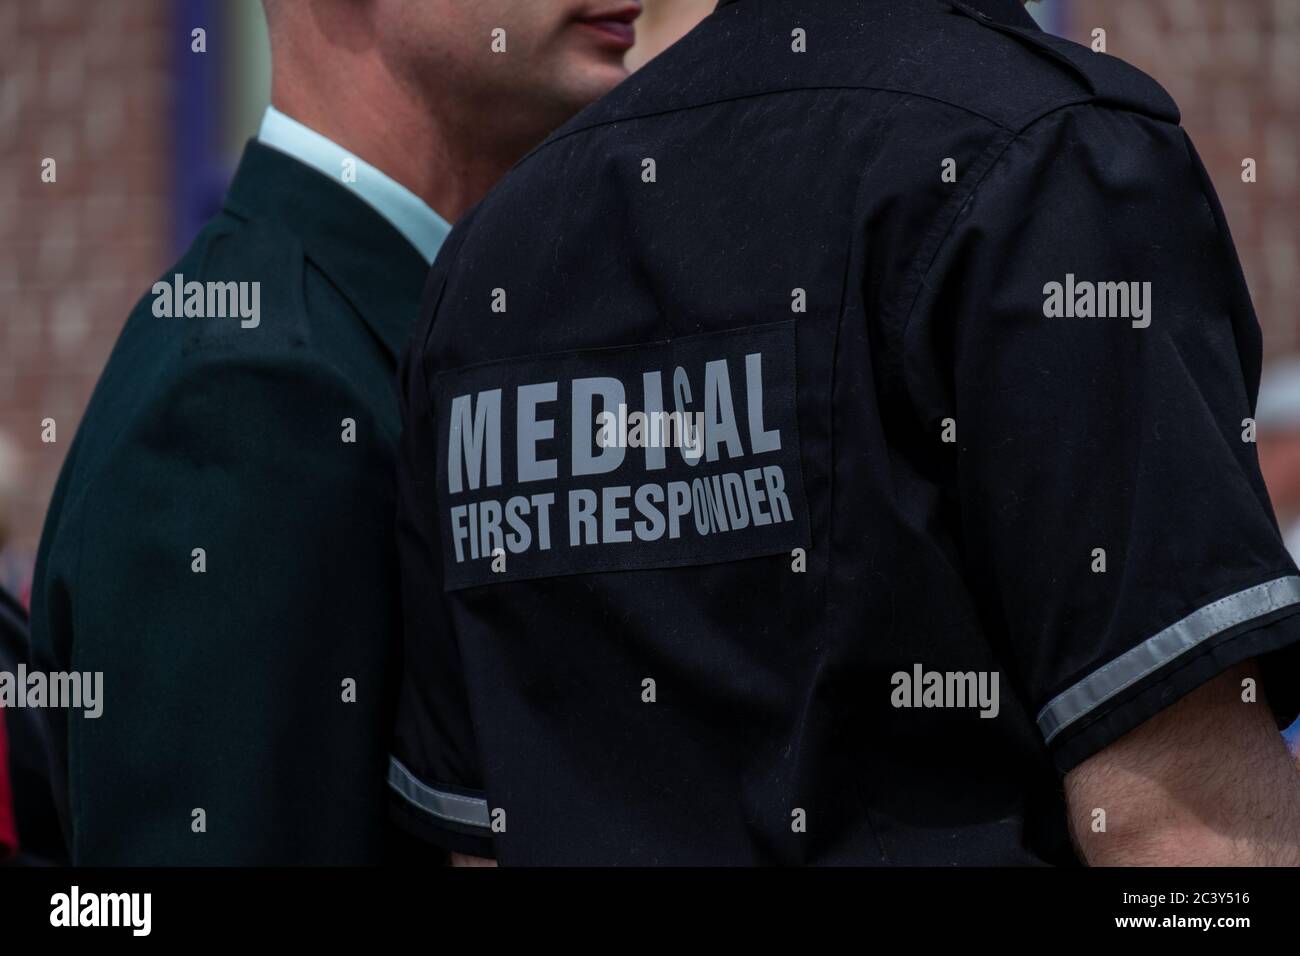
{"x":407,"y":212}
{"x":1010,"y":12}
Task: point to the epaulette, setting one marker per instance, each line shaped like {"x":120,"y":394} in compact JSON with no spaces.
{"x":1110,"y":79}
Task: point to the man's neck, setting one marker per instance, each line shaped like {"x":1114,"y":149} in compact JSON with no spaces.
{"x":448,"y":164}
{"x":1286,"y":516}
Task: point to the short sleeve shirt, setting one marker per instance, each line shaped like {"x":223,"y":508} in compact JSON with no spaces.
{"x":943,"y":369}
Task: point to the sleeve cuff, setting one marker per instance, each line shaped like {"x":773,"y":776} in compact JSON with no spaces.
{"x":1114,"y":699}
{"x":455,"y":819}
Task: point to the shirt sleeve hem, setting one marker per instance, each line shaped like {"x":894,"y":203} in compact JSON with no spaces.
{"x":452,"y":818}
{"x":450,"y":837}
{"x":1262,"y":636}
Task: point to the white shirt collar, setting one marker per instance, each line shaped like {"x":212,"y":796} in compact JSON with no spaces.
{"x":407,"y":212}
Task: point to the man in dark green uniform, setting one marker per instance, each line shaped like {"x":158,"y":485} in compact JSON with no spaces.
{"x":221,"y":540}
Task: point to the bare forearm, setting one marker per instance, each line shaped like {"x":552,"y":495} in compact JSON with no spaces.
{"x":1207,"y":782}
{"x":1187,"y":845}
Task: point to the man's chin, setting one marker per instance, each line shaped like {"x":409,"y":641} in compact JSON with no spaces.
{"x":559,"y":98}
{"x":594,"y":81}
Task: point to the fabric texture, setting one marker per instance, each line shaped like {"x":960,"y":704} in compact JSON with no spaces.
{"x":220,"y":545}
{"x":1024,"y":363}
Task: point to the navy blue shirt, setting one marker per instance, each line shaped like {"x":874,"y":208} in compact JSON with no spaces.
{"x":974,"y":492}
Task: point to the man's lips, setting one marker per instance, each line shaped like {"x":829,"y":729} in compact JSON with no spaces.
{"x":615,"y":26}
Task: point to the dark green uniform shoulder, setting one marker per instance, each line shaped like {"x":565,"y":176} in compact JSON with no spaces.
{"x":247,"y":278}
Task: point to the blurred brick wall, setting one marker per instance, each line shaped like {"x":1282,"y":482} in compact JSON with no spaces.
{"x":85,"y":82}
{"x":1234,"y":68}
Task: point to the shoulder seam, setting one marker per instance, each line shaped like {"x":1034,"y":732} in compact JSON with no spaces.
{"x":559,"y":137}
{"x":993,"y":162}
{"x":1054,"y":48}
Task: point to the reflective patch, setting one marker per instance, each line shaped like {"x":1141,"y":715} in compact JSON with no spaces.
{"x":443,"y":804}
{"x":1163,"y":648}
{"x":682,"y":452}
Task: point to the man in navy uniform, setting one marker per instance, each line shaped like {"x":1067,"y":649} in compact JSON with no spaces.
{"x":966,"y":500}
{"x":220,"y":544}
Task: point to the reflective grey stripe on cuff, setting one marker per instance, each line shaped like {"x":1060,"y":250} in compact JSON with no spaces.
{"x":471,"y":811}
{"x":1155,"y":652}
